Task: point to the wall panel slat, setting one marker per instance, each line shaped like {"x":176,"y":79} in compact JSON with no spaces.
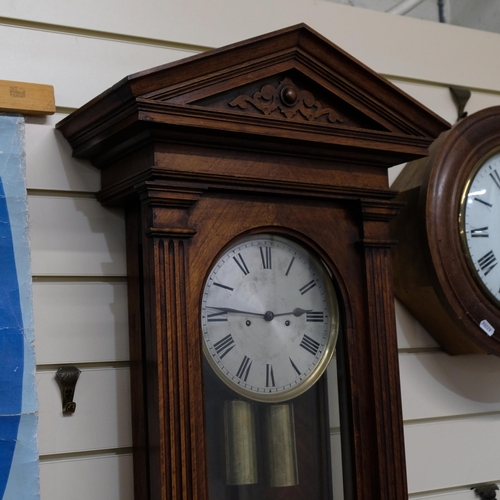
{"x":97,"y":478}
{"x":437,"y":385}
{"x":76,"y":236}
{"x":457,"y":453}
{"x":465,"y":494}
{"x":423,"y":50}
{"x":102,"y":418}
{"x":79,"y":67}
{"x":80,"y":322}
{"x":49,"y":161}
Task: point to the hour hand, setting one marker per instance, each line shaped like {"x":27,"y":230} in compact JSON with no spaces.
{"x":296,"y":312}
{"x":231,"y":310}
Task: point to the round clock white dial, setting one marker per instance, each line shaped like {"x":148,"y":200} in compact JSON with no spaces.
{"x":480,"y":224}
{"x":269,"y":318}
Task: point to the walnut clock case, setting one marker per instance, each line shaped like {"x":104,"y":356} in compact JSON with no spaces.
{"x":254,"y":181}
{"x":446,"y":265}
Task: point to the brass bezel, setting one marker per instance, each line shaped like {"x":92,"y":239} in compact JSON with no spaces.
{"x":313,"y":377}
{"x":461,"y":225}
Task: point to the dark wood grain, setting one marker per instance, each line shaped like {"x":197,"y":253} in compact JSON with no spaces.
{"x":432,"y":277}
{"x":198,"y":165}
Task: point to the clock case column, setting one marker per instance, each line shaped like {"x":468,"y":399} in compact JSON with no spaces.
{"x":167,"y":421}
{"x":284,"y":133}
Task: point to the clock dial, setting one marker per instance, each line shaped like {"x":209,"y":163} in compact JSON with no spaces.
{"x":269,"y":318}
{"x":480,"y":224}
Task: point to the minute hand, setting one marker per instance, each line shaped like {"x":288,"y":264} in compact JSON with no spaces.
{"x":296,"y":312}
{"x":230,"y":310}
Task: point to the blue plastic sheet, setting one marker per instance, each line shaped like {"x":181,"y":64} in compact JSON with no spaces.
{"x":19,"y":468}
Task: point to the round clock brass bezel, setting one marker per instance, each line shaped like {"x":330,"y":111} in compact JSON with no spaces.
{"x":461,"y":224}
{"x":327,"y":281}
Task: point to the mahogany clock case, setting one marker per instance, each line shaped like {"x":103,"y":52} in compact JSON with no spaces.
{"x":284,"y":134}
{"x":433,"y":276}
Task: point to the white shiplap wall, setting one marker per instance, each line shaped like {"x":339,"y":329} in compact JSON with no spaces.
{"x":451,"y":405}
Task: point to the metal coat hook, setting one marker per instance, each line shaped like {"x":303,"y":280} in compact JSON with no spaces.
{"x":486,"y":491}
{"x":67,"y":376}
{"x":461,"y":97}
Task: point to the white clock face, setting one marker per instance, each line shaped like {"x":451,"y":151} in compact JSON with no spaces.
{"x":269,"y":318}
{"x":480,"y":223}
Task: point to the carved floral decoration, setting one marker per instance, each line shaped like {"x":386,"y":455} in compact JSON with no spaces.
{"x":288,"y":101}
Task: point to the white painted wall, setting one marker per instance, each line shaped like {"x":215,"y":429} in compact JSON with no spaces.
{"x":451,"y":405}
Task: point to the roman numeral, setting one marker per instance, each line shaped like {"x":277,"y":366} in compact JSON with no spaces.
{"x":270,"y":376}
{"x":220,"y":285}
{"x":480,"y":232}
{"x":307,"y":287}
{"x":315,"y":316}
{"x":223,"y":346}
{"x":310,"y":345}
{"x":289,"y":266}
{"x":244,"y":369}
{"x":265,"y":253}
{"x":295,"y":367}
{"x":241,"y":264}
{"x":483,"y":202}
{"x":487,"y":262}
{"x":218,"y":316}
{"x":496,"y":178}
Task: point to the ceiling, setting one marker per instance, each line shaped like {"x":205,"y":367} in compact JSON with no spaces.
{"x":477,"y":14}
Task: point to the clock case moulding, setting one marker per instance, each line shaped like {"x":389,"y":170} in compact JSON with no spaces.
{"x":431,"y":275}
{"x":282,"y":133}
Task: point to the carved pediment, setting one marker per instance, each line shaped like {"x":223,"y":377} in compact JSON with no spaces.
{"x":286,"y":100}
{"x":291,"y":89}
{"x":282,"y":98}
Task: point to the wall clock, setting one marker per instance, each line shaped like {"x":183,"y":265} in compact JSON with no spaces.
{"x":452,"y":285}
{"x":254,"y":181}
{"x":269,"y":324}
{"x":269,"y":318}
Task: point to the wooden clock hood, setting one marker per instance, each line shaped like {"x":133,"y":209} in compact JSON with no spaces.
{"x":334,"y":107}
{"x":283,"y":133}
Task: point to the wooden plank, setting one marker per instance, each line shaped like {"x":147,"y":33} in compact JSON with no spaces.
{"x":27,"y":98}
{"x":102,"y":417}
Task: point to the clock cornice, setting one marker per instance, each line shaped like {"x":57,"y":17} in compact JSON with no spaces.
{"x":153,"y":103}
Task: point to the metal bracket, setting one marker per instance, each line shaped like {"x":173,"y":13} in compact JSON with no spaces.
{"x":460,"y":97}
{"x":67,"y":376}
{"x":486,"y":491}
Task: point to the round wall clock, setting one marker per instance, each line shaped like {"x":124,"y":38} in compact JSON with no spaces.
{"x":480,"y":224}
{"x":269,"y":318}
{"x":446,"y":263}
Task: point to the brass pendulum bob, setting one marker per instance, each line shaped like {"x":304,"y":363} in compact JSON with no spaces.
{"x":240,"y":443}
{"x":281,"y":453}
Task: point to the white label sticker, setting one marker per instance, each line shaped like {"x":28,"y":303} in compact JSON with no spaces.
{"x":487,"y":327}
